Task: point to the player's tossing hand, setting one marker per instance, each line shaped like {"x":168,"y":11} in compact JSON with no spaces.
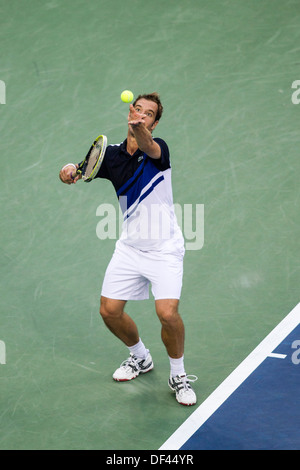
{"x":135,"y":118}
{"x":66,"y":174}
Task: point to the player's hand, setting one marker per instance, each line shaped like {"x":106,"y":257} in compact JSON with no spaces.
{"x":135,"y":118}
{"x":66,"y":174}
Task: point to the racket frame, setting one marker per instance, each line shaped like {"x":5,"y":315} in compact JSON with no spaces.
{"x":81,"y":168}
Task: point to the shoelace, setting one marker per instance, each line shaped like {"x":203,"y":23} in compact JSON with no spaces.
{"x":187,"y":379}
{"x":132,"y":362}
{"x":183,"y":382}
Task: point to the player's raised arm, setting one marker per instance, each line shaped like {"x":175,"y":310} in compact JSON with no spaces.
{"x":141,"y":121}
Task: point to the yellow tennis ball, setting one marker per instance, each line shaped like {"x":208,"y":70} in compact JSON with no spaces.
{"x":127,"y":96}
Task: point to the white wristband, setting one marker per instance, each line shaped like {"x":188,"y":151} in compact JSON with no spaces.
{"x":68,"y":164}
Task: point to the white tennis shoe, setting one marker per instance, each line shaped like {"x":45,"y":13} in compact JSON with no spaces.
{"x":180,"y":385}
{"x":132,"y":368}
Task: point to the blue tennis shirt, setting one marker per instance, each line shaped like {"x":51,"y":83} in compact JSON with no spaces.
{"x":144,"y":189}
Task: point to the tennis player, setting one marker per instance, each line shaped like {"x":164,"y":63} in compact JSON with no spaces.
{"x":150,"y":250}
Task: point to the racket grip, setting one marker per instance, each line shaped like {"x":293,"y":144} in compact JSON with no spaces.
{"x":73,"y":174}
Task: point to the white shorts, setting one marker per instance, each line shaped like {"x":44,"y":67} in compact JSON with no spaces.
{"x":131,"y":271}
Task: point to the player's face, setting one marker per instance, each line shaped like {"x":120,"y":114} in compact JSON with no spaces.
{"x":149,"y":108}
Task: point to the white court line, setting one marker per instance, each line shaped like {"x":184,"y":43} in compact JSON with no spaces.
{"x":277,"y":356}
{"x":233,"y":381}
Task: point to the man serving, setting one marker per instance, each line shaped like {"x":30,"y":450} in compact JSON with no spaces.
{"x":150,"y":250}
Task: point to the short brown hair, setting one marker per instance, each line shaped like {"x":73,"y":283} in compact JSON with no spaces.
{"x":152,"y":97}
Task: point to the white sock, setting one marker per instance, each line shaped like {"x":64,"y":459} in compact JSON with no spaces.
{"x":177,"y":366}
{"x":139,"y":350}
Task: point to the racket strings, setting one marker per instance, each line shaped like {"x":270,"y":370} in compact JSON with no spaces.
{"x":92,"y":162}
{"x":93,"y":158}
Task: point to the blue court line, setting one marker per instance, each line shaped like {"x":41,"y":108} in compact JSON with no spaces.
{"x":256,"y":407}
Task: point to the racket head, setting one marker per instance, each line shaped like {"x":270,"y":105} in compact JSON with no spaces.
{"x":94,"y":159}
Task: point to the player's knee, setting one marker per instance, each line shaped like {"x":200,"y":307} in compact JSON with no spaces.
{"x":108,"y":309}
{"x":105,"y":311}
{"x":167,"y":312}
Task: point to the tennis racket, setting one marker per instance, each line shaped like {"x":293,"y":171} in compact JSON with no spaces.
{"x":90,"y":166}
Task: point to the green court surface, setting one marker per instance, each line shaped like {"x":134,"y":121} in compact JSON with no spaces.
{"x":224,"y":70}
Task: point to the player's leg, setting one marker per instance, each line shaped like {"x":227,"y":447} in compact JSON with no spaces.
{"x":172,"y":331}
{"x":117,"y":321}
{"x":165,"y":273}
{"x":122,"y":326}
